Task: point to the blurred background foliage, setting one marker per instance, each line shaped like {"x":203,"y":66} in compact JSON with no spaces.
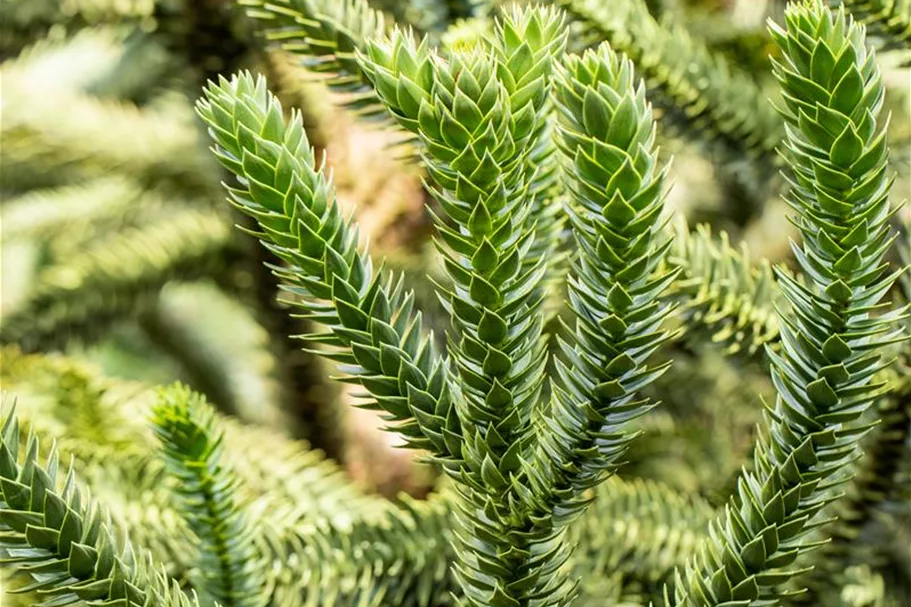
{"x":118,"y":252}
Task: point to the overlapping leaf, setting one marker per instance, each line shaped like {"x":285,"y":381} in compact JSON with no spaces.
{"x":832,"y":340}
{"x":63,"y":541}
{"x":374,"y":332}
{"x":227,"y":568}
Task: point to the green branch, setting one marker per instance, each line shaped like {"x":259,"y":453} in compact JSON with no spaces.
{"x":50,"y":214}
{"x":373,"y":331}
{"x":480,"y":115}
{"x":887,"y":21}
{"x":117,"y":276}
{"x":722,"y":294}
{"x":875,"y":482}
{"x":607,"y":137}
{"x":63,"y":541}
{"x":327,"y":34}
{"x":831,"y":344}
{"x":698,"y":88}
{"x":230,"y":574}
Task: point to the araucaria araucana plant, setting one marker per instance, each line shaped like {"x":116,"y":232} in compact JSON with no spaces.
{"x":229,"y":570}
{"x":545,"y":175}
{"x":53,"y":534}
{"x":523,"y":453}
{"x":832,"y":342}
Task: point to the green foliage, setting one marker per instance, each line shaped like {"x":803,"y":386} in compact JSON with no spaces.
{"x":698,"y":88}
{"x":227,"y":564}
{"x":62,"y":540}
{"x":327,"y":33}
{"x":698,"y":446}
{"x":888,"y":21}
{"x":134,"y":80}
{"x":876,"y":481}
{"x":45,"y":147}
{"x":135,"y":496}
{"x":547,"y":184}
{"x":373,"y":330}
{"x":904,"y":254}
{"x":50,"y":213}
{"x":723,"y":295}
{"x":489,"y":190}
{"x":395,"y":555}
{"x":319,"y":532}
{"x":700,"y":94}
{"x":310,"y":524}
{"x":434,"y":16}
{"x":110,"y":279}
{"x":651,"y":530}
{"x":27,"y":12}
{"x":473,"y":111}
{"x":830,"y":344}
{"x":186,"y":322}
{"x":480,"y":116}
{"x":607,"y":136}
